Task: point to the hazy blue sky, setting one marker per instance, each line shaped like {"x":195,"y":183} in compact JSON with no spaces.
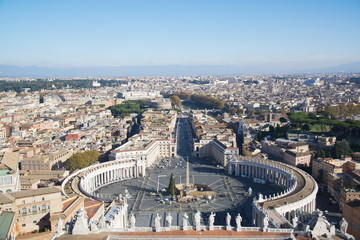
{"x":290,"y":34}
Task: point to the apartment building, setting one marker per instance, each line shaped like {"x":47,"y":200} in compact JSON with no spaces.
{"x":9,"y":172}
{"x":351,"y":213}
{"x":32,"y":208}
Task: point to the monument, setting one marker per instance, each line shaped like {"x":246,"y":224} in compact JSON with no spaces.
{"x":185,"y":219}
{"x":238,"y":221}
{"x":132,"y":221}
{"x":343,"y":226}
{"x":197,"y":219}
{"x":265,"y":222}
{"x":187,"y":175}
{"x":168,"y":220}
{"x":295,"y":221}
{"x":190,"y":192}
{"x":228,"y":219}
{"x":211,"y":221}
{"x":157,"y":223}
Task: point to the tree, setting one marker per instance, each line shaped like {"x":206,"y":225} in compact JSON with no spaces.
{"x":81,"y":160}
{"x":232,"y":110}
{"x":176,"y":100}
{"x":306,"y":127}
{"x":320,"y":153}
{"x":172,"y":188}
{"x":341,"y":148}
{"x":283,"y":120}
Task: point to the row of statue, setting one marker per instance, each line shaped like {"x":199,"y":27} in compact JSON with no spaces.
{"x":196,"y":221}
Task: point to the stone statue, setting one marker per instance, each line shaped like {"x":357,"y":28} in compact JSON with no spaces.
{"x":126,"y":196}
{"x":211,"y":221}
{"x":265,"y":221}
{"x":132,"y":221}
{"x":102,"y":222}
{"x":197,"y":217}
{"x":343,"y":225}
{"x":260,"y":197}
{"x":249,"y":191}
{"x":168,"y":220}
{"x":120,"y":198}
{"x":228,"y":219}
{"x":59,"y":226}
{"x":238,"y":220}
{"x":295,"y":221}
{"x":185,"y":221}
{"x":157,"y":223}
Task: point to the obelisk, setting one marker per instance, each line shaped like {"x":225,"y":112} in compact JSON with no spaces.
{"x":187,"y":174}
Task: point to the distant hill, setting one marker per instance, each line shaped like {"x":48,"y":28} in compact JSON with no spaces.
{"x":344,"y":68}
{"x":170,"y":70}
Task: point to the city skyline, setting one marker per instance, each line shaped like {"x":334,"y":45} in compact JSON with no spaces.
{"x":280,"y":35}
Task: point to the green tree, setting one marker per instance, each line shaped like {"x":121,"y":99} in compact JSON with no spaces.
{"x":81,"y":160}
{"x":283,"y":120}
{"x":176,"y":100}
{"x":306,"y":127}
{"x":341,"y":148}
{"x":172,"y":188}
{"x":232,"y":110}
{"x":320,"y":153}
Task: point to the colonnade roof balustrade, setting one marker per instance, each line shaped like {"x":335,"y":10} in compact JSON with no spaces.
{"x":305,"y":186}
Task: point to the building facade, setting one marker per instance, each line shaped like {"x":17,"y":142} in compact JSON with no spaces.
{"x":9,"y":172}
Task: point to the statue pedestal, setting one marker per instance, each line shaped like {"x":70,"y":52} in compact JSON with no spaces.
{"x":211,"y":228}
{"x":228,"y":228}
{"x":238,"y":229}
{"x":158,"y":229}
{"x":198,"y":228}
{"x":166,"y":229}
{"x":185,"y":228}
{"x":264,"y":229}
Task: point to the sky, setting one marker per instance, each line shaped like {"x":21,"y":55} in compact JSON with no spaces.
{"x":258,"y":33}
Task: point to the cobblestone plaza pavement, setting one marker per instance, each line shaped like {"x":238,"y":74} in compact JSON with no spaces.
{"x":230,"y":191}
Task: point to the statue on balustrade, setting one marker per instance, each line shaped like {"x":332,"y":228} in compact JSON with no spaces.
{"x":168,"y":220}
{"x":228,"y":219}
{"x":157,"y":223}
{"x":132,"y":221}
{"x":211,"y":221}
{"x":238,"y":221}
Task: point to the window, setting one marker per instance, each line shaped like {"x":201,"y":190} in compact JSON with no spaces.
{"x":23,"y":210}
{"x":43,"y":207}
{"x":43,"y":199}
{"x":34,"y":208}
{"x":7,"y":180}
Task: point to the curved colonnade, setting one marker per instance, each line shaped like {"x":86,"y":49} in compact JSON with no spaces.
{"x":298,"y":197}
{"x":99,"y":175}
